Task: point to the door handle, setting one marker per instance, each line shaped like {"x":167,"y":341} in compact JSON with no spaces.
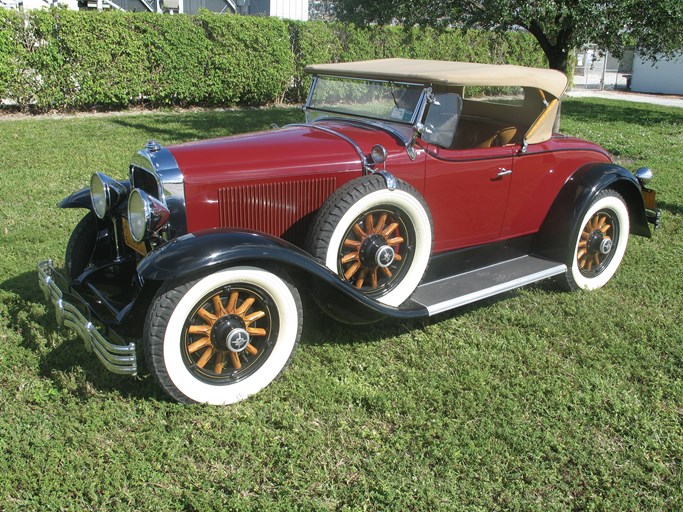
{"x":502,"y":171}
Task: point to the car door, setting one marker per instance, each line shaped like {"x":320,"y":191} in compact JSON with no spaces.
{"x":467,"y":192}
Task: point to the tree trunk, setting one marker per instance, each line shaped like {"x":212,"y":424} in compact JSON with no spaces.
{"x":557,"y":55}
{"x":557,"y":59}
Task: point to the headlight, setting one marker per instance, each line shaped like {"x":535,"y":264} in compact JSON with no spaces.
{"x":145,"y":214}
{"x":105,"y":193}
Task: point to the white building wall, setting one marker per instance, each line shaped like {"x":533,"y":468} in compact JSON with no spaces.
{"x":666,"y":77}
{"x":40,"y":4}
{"x":290,"y":9}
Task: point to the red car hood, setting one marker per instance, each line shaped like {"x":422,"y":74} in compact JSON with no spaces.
{"x":285,"y":153}
{"x":212,"y":168}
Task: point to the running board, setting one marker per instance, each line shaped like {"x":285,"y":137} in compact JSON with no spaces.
{"x":468,"y":287}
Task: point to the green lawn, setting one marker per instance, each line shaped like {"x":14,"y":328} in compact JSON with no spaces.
{"x":539,"y":400}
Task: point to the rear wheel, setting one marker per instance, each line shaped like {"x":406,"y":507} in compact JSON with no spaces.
{"x":224,"y":337}
{"x":600,"y":242}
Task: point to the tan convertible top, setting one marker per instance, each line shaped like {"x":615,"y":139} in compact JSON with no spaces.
{"x":448,"y":73}
{"x":537,"y":117}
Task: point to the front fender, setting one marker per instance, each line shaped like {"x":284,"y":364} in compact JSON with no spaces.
{"x":210,"y":250}
{"x":81,"y":198}
{"x":558,"y":229}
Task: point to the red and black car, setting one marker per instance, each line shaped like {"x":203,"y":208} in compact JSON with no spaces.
{"x":412,"y":188}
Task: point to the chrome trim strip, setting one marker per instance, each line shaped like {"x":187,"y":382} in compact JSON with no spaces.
{"x":310,"y":96}
{"x":389,"y":178}
{"x":400,"y":137}
{"x":495,"y":290}
{"x":366,"y":164}
{"x":117,"y":358}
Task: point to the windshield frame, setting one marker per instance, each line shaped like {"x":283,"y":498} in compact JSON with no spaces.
{"x":418,"y":112}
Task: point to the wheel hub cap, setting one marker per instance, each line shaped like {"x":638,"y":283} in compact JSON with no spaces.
{"x":384,"y":256}
{"x":375,"y":252}
{"x":237,"y":340}
{"x":229,"y":333}
{"x":605,"y":246}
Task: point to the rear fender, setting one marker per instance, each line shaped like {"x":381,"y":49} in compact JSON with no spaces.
{"x":560,"y":225}
{"x":208,"y":251}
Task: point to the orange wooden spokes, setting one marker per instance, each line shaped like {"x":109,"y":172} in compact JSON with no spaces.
{"x":237,"y":303}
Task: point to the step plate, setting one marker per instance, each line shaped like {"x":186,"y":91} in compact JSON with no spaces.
{"x":456,"y":291}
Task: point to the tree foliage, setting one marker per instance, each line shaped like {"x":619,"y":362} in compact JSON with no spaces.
{"x":653,"y":27}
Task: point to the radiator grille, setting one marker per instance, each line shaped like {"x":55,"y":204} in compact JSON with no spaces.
{"x":145,"y":181}
{"x":280,"y":209}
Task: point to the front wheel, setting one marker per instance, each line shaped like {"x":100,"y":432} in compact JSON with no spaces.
{"x":223,"y":337}
{"x":600,"y":242}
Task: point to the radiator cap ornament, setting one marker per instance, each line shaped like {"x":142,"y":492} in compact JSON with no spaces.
{"x":152,"y":146}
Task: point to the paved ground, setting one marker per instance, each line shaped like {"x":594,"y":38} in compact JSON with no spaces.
{"x":655,"y":99}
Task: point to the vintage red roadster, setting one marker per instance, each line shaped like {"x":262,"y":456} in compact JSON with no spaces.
{"x":406,"y":192}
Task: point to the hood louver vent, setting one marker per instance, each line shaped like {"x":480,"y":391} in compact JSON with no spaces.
{"x":279,"y":209}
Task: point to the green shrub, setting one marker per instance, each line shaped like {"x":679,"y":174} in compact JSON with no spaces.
{"x":59,"y":59}
{"x":177,"y":57}
{"x":250,"y":59}
{"x":9,"y":21}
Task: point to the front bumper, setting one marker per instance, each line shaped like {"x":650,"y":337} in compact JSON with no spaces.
{"x":115,"y":355}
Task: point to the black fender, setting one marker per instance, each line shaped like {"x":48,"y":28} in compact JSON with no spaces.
{"x":81,"y":198}
{"x":214,"y":249}
{"x":560,"y":226}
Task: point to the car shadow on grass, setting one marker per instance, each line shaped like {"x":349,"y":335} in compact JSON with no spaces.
{"x":62,"y":356}
{"x":675,"y":209}
{"x":64,"y":360}
{"x":320,"y":329}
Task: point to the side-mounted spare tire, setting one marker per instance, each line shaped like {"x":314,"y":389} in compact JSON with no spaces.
{"x":376,"y":239}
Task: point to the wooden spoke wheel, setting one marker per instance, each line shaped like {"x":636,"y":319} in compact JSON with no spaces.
{"x":229,"y":334}
{"x":599,"y":243}
{"x":376,"y":250}
{"x":594,"y":250}
{"x":377,"y":240}
{"x":224,"y":337}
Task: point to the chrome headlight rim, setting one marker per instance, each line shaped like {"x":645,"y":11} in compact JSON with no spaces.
{"x":99,"y":195}
{"x":146,"y":214}
{"x":105,"y":194}
{"x":378,"y":154}
{"x":139,"y":214}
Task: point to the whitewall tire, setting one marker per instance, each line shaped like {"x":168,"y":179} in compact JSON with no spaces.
{"x":376,"y":239}
{"x":599,"y":242}
{"x":223,"y":337}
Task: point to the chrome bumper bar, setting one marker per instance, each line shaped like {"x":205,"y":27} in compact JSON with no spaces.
{"x":116,"y":357}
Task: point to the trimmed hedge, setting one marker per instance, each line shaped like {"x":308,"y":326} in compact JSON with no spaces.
{"x":65,"y":60}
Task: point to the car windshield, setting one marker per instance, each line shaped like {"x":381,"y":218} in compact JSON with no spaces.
{"x":394,"y":102}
